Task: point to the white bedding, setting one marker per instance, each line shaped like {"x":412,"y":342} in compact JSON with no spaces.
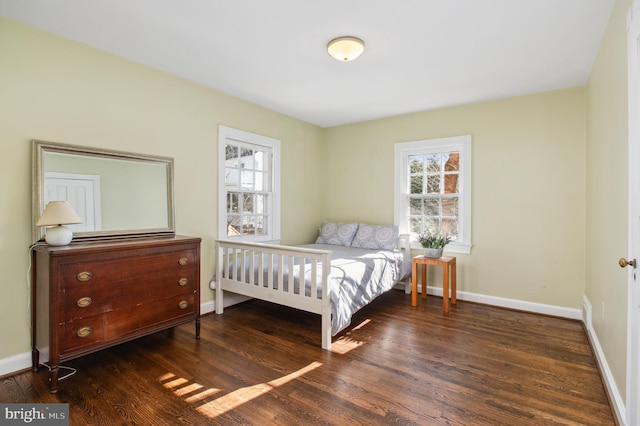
{"x":356,"y":278}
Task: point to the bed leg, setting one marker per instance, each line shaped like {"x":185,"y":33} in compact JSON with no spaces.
{"x":326,"y":331}
{"x":219,"y":301}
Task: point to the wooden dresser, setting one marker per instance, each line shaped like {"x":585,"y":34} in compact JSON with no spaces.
{"x":88,"y":296}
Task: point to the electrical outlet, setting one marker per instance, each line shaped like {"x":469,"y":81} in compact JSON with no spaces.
{"x":602,"y":310}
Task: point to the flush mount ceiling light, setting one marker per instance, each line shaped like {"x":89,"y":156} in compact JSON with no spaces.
{"x":346,"y":48}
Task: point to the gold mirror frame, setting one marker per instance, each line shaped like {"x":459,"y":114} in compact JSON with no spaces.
{"x":41,"y":148}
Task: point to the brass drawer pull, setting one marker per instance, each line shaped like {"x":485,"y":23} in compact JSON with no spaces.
{"x":183,"y":282}
{"x":84,"y":276}
{"x":182,"y":261}
{"x":84,"y":332}
{"x":183,"y":304}
{"x":83,"y":302}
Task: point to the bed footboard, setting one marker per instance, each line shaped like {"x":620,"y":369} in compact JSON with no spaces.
{"x":290,"y":276}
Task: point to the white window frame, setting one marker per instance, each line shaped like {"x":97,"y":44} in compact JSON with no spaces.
{"x":403,"y":150}
{"x":235,"y":136}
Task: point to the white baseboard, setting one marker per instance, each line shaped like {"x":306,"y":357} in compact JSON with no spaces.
{"x":207,"y":307}
{"x":539,"y":308}
{"x":15,"y":363}
{"x":616,"y":399}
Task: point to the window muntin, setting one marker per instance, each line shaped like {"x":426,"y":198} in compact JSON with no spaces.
{"x":433,"y":189}
{"x":250,"y":183}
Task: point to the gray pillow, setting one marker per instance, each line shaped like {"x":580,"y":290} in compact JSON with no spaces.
{"x":336,"y":233}
{"x":376,"y":237}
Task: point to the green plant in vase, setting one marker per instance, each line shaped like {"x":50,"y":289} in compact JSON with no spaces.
{"x":433,"y":243}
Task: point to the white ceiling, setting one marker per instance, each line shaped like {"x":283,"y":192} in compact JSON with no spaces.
{"x":420,"y":55}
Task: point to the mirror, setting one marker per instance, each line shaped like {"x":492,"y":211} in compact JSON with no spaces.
{"x":116,"y":194}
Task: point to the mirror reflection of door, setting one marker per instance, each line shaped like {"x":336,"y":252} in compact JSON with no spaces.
{"x":81,"y":191}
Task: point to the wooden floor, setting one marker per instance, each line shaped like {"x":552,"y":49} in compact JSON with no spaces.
{"x":262,"y":364}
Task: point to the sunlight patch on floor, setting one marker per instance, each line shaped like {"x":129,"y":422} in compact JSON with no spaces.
{"x":345,"y":343}
{"x":200,"y":396}
{"x":182,"y":387}
{"x":240,"y":396}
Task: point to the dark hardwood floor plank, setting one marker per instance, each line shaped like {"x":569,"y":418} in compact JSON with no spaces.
{"x":260,"y":363}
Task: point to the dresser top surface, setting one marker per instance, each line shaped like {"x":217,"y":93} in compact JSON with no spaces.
{"x":115,"y":244}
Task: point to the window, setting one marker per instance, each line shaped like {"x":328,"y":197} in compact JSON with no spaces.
{"x":249,"y":186}
{"x":433,"y":189}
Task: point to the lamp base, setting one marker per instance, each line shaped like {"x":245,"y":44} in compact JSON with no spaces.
{"x":58,"y":236}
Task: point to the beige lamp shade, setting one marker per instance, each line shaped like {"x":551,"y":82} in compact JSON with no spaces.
{"x":346,"y":48}
{"x":58,"y":213}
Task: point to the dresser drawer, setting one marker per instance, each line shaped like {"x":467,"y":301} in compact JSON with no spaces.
{"x":130,"y":271}
{"x":123,"y":323}
{"x":95,"y":298}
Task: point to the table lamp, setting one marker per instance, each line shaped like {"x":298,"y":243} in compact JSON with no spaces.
{"x":58,"y":213}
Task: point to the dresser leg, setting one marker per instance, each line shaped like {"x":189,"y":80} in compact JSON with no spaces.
{"x":53,"y":378}
{"x":35,"y":359}
{"x":198,"y":328}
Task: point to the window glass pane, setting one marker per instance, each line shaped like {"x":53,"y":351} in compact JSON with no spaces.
{"x":260,"y":225}
{"x":260,"y":204}
{"x":416,"y":164}
{"x":415,"y":224}
{"x":431,"y":207}
{"x":233,"y":225}
{"x":433,"y":162}
{"x":247,"y":203}
{"x":247,"y":179}
{"x":231,"y":155}
{"x":231,"y":177}
{"x":233,"y":200}
{"x":452,"y":162}
{"x":415,"y":206}
{"x":260,"y":183}
{"x":433,"y":184}
{"x":450,"y":207}
{"x":416,"y":184}
{"x":450,"y":227}
{"x":247,"y":225}
{"x":431,"y":224}
{"x":259,"y":161}
{"x":451,"y":184}
{"x":246,"y":158}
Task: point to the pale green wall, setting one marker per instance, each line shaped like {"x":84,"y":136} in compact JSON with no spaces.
{"x":56,"y":90}
{"x":528,"y":189}
{"x":607,"y":205}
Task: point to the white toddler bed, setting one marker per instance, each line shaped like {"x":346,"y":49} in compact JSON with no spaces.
{"x":337,"y":279}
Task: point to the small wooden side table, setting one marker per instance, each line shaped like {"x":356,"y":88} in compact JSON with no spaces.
{"x":448,"y":270}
